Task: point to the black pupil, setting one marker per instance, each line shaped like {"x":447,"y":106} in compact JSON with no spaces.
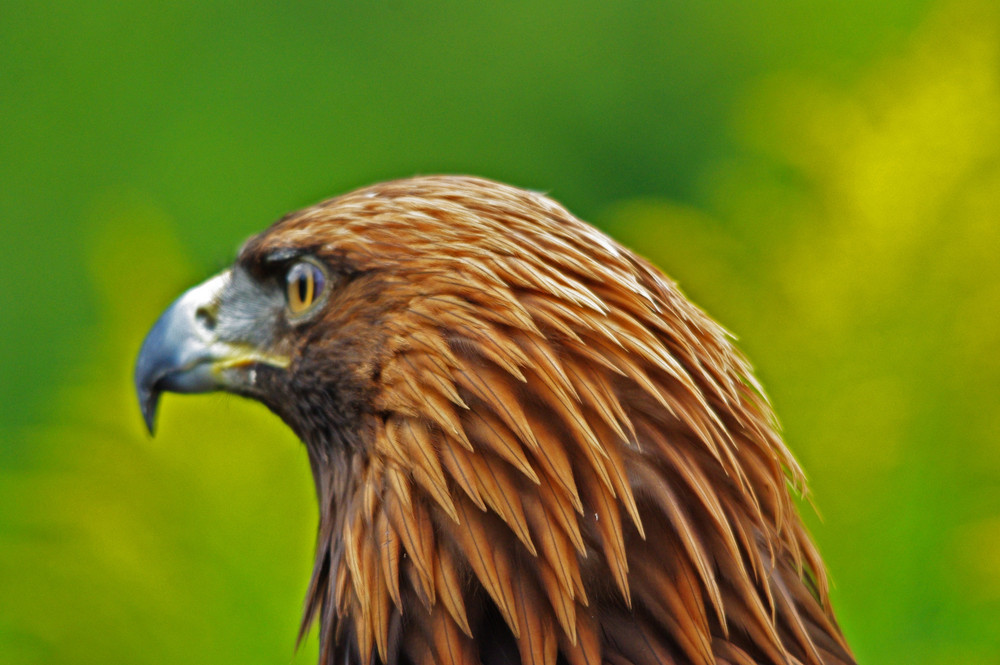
{"x":303,"y":288}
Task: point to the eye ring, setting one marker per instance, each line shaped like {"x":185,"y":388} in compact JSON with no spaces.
{"x":305,"y":286}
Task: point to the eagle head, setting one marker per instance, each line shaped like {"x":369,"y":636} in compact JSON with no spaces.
{"x":528,"y":446}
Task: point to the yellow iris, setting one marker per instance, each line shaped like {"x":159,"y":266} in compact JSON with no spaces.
{"x":304,"y":285}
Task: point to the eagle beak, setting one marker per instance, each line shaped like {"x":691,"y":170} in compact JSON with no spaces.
{"x":183,"y":353}
{"x":178,"y":353}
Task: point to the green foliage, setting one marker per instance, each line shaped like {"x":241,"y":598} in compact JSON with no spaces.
{"x":843,"y":221}
{"x":854,"y":247}
{"x":193,"y":547}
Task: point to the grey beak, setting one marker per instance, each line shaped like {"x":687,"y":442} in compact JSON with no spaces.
{"x":180,"y":352}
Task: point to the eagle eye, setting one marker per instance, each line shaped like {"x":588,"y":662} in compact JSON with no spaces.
{"x":304,"y":285}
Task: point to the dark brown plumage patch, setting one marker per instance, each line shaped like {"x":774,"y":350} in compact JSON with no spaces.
{"x":530,"y":447}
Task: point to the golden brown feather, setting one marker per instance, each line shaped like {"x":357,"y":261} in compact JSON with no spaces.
{"x":542,"y":452}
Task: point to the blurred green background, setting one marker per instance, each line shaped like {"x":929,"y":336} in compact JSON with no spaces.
{"x":823,"y":177}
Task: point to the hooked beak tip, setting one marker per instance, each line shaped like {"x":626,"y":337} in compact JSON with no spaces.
{"x":149,"y":400}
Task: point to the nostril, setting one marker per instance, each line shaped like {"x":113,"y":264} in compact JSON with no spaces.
{"x":206,"y":317}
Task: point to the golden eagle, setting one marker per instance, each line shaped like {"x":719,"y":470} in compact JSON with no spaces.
{"x":528,"y":446}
